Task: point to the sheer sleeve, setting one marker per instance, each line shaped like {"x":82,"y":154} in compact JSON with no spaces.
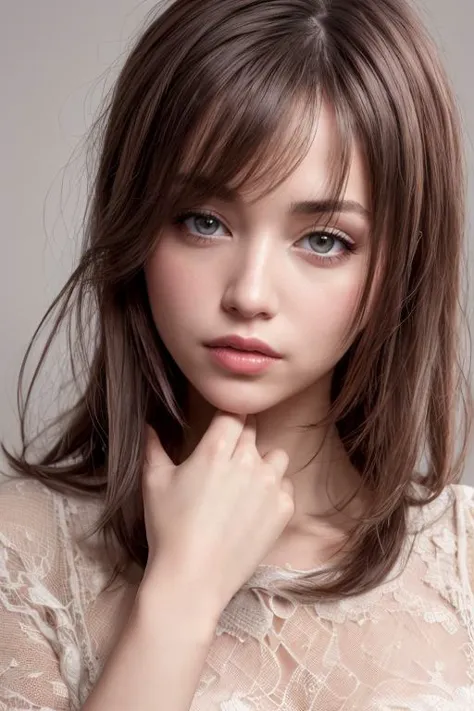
{"x":469,"y":523}
{"x":33,"y":615}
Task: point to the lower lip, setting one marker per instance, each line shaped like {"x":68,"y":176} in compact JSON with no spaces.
{"x":245,"y":362}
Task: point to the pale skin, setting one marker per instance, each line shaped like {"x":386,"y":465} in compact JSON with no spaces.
{"x":263,"y":273}
{"x":237,"y":480}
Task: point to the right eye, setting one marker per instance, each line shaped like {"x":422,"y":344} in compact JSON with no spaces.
{"x":204,"y":222}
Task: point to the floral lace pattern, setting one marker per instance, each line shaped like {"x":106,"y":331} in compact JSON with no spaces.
{"x":407,"y":645}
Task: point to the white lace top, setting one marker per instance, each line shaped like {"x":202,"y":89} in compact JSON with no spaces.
{"x":407,"y":645}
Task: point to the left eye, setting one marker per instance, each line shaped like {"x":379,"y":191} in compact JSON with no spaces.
{"x":324,"y":242}
{"x":205,"y":222}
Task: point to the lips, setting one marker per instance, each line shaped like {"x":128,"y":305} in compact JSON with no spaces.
{"x":252,"y":345}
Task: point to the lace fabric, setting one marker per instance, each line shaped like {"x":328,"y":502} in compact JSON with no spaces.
{"x":408,"y":644}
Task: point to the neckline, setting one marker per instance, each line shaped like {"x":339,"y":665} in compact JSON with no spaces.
{"x":268,"y":571}
{"x":288,"y":567}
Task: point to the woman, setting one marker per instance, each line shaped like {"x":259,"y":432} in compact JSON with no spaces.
{"x":254,"y":501}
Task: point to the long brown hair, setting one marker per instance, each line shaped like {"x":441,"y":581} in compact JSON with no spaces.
{"x":204,"y":100}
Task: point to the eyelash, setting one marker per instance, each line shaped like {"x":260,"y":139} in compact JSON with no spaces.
{"x":349,"y":247}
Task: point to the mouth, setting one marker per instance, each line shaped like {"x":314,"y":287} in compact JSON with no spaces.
{"x":250,"y":346}
{"x":241,"y":362}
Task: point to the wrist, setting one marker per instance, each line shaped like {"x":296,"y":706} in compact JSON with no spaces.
{"x":180,"y":597}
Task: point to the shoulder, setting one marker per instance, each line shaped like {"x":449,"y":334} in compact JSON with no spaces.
{"x":463,"y":493}
{"x":445,"y":539}
{"x":464,"y":517}
{"x":453,"y":507}
{"x":28,"y":509}
{"x":27,"y":501}
{"x":39,"y":526}
{"x":46,"y":588}
{"x":17,"y":488}
{"x":458,"y":516}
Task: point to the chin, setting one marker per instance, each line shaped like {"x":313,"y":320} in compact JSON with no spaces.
{"x":238,"y":402}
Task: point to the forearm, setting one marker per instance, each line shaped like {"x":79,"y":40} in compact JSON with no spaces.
{"x":159,"y":657}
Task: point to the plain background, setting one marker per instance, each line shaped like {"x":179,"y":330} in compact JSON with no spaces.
{"x":56,"y":60}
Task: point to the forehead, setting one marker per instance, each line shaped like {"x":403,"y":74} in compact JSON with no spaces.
{"x":311,"y":177}
{"x":308,"y":158}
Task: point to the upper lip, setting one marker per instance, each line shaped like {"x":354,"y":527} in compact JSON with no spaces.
{"x":245,"y":344}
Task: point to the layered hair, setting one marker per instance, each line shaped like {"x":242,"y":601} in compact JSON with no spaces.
{"x":204,"y":100}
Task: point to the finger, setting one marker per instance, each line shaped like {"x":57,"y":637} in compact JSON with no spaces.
{"x":288,"y":486}
{"x":222,"y":435}
{"x":279,"y":460}
{"x":248,"y":438}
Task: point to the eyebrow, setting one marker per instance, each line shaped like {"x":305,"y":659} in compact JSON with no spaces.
{"x":306,"y":207}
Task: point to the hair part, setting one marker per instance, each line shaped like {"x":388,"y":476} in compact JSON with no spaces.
{"x":209,"y":92}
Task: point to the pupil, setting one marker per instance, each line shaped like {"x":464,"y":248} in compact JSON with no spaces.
{"x":206,"y":223}
{"x":323,"y":243}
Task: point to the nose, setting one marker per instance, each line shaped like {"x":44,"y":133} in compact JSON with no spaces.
{"x":251,"y":289}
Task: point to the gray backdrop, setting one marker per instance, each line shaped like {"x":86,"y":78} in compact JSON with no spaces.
{"x":56,"y":58}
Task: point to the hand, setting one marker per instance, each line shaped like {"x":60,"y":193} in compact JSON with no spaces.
{"x":216,"y":515}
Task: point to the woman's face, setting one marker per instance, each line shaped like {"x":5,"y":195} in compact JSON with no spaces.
{"x":257,"y":269}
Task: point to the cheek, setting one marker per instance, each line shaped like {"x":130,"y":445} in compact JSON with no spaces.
{"x":330,"y":310}
{"x":172,"y":286}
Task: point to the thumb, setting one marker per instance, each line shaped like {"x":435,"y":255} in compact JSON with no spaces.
{"x":158,"y":465}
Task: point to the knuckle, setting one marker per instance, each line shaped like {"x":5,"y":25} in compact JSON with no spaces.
{"x":282,"y":459}
{"x":246,"y":457}
{"x":268,"y":480}
{"x":287,"y":496}
{"x":279,"y":462}
{"x":287,"y":486}
{"x":287,"y":504}
{"x":216,"y":447}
